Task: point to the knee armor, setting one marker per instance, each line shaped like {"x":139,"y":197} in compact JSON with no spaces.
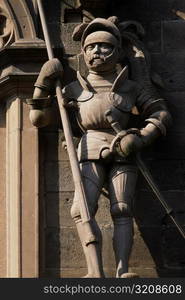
{"x":121,"y":209}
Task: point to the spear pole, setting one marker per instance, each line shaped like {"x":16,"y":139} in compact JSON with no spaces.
{"x":66,"y":128}
{"x":90,"y":238}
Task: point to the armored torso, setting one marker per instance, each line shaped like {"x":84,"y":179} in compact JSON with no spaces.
{"x":91,"y":113}
{"x":93,"y":98}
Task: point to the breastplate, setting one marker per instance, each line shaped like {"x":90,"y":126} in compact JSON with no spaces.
{"x":92,"y":111}
{"x":91,"y":114}
{"x":92,"y":105}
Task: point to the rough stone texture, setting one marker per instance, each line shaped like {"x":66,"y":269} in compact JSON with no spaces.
{"x":171,"y":71}
{"x":169,"y":30}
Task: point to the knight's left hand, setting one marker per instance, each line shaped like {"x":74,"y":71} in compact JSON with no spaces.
{"x":130,"y":143}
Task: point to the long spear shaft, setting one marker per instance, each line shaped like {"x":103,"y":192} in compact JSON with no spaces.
{"x":66,"y":127}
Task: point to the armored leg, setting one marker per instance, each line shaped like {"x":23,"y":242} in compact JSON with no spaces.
{"x":93,"y":179}
{"x":122,"y":181}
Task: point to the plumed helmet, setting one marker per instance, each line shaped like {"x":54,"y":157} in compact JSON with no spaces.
{"x":106,"y":30}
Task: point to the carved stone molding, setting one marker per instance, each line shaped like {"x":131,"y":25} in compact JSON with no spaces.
{"x":6,"y":29}
{"x":18,"y":19}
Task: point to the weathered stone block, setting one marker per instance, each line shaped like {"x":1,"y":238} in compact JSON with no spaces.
{"x":168,"y":175}
{"x":71,"y":249}
{"x":52,"y":248}
{"x":49,"y":145}
{"x":170,"y":149}
{"x":172,"y":254}
{"x":127,"y":11}
{"x":58,"y":207}
{"x":140,"y":256}
{"x":176,"y":104}
{"x":146,"y":11}
{"x":171,"y":70}
{"x":69,"y":45}
{"x":153,"y":37}
{"x":173,"y":35}
{"x":152,"y":238}
{"x":58,"y":177}
{"x":162,"y":10}
{"x":149,"y":210}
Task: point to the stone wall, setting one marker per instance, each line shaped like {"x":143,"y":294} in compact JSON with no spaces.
{"x":158,"y":247}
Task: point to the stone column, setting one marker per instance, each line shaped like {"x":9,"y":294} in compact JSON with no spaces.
{"x":21,"y":192}
{"x":13,"y":188}
{"x":21,"y":56}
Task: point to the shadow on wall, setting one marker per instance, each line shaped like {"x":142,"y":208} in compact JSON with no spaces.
{"x":164,"y":241}
{"x":49,"y":204}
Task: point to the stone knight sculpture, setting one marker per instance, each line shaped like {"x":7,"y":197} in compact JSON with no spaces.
{"x":104,"y":155}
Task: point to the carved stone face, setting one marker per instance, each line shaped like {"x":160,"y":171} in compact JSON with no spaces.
{"x":100,"y":56}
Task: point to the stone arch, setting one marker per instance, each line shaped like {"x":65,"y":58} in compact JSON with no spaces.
{"x":21,"y":17}
{"x":6,"y":28}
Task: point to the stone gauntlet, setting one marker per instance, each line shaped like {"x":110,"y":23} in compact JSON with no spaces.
{"x":149,"y":133}
{"x":129,"y":144}
{"x":134,"y":142}
{"x":50,"y":71}
{"x":39,"y":103}
{"x":41,"y":112}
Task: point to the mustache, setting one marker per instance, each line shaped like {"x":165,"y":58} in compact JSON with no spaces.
{"x":97,"y":56}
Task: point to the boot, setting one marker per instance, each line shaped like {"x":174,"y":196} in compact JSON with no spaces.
{"x":129,"y":275}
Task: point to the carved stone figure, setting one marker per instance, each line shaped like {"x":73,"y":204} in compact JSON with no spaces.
{"x":104,"y":103}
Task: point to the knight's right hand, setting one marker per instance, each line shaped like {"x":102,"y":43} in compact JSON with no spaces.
{"x":49,"y":72}
{"x":105,"y":154}
{"x":40,"y":118}
{"x":40,"y":111}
